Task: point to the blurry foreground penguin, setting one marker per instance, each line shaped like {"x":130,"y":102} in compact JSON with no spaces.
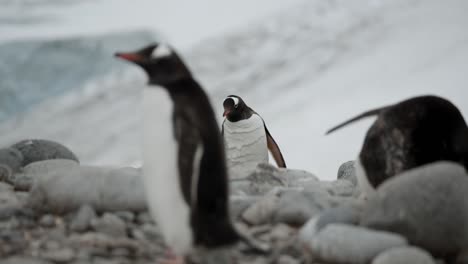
{"x":409,"y":134}
{"x":247,"y":138}
{"x":184,"y":165}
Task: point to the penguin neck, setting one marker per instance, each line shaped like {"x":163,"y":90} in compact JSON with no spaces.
{"x":180,"y":86}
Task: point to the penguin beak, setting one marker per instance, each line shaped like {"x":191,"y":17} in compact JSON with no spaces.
{"x":226,"y":112}
{"x":133,"y":57}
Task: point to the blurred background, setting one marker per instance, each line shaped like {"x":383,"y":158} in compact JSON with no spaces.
{"x":304,"y":65}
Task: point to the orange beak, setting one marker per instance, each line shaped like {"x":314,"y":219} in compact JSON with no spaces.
{"x":133,"y":57}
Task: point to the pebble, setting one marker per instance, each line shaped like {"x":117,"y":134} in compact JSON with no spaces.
{"x":344,"y":214}
{"x":339,"y":243}
{"x":82,"y":220}
{"x":47,"y":220}
{"x":281,"y":232}
{"x":144,"y":217}
{"x":262,"y":211}
{"x":286,"y":259}
{"x":10,"y":163}
{"x":127,"y":216}
{"x":39,"y":149}
{"x":151,"y":232}
{"x":424,"y":205}
{"x":347,"y":171}
{"x":296,"y":208}
{"x":60,"y":255}
{"x":23,"y":260}
{"x":110,"y":224}
{"x":404,"y":255}
{"x":238,"y":204}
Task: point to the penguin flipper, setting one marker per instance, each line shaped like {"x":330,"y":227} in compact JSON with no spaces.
{"x":356,"y":118}
{"x":274,"y":149}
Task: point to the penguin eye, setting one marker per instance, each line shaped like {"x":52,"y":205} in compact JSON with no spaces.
{"x":236,"y":105}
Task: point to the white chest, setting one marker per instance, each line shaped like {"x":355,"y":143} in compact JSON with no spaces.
{"x":160,"y":171}
{"x":246,"y":145}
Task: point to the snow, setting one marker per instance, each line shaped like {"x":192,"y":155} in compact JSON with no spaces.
{"x":304,"y":69}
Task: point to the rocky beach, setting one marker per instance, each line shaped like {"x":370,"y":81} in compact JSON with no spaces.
{"x":54,"y":210}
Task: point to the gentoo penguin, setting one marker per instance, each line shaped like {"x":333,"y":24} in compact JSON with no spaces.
{"x":247,"y":138}
{"x":184,"y":162}
{"x":409,"y":134}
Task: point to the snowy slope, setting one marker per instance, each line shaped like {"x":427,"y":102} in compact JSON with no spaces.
{"x":304,"y":70}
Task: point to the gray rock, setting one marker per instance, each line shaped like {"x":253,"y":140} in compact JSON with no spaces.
{"x":339,"y":188}
{"x":339,"y":243}
{"x":347,"y":171}
{"x":238,"y":204}
{"x":63,"y":255}
{"x":5,"y":187}
{"x":286,"y":259}
{"x":110,"y":224}
{"x":262,"y":211}
{"x":404,"y":255}
{"x":82,"y":220}
{"x":125,"y":215}
{"x":281,"y":232}
{"x":105,"y":189}
{"x":39,"y":149}
{"x":151,"y":232}
{"x":144,"y":217}
{"x":295,"y":207}
{"x":11,"y":161}
{"x":344,"y":214}
{"x":424,"y":205}
{"x":47,"y":220}
{"x":267,"y":177}
{"x":23,"y":260}
{"x":8,"y":199}
{"x":22,"y":182}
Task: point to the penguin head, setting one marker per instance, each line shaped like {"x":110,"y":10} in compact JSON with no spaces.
{"x":160,"y":62}
{"x":234,"y":108}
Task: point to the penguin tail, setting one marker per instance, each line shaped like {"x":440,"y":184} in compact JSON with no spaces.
{"x":356,"y":118}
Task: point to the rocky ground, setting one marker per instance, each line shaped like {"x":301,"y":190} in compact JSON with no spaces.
{"x":57,"y":211}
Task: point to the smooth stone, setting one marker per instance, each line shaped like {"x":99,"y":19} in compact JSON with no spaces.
{"x":404,"y":255}
{"x":47,"y":220}
{"x":281,"y":232}
{"x":23,"y":260}
{"x":39,"y":149}
{"x":339,"y":243}
{"x":347,"y":171}
{"x":151,"y":232}
{"x":82,"y":220}
{"x":286,"y":259}
{"x":110,"y":224}
{"x":345,"y":214}
{"x":127,"y":216}
{"x":64,"y":255}
{"x":144,"y":217}
{"x":267,"y":177}
{"x":262,"y":211}
{"x":424,"y":205}
{"x":296,"y":208}
{"x":106,"y":189}
{"x":339,"y":188}
{"x":11,"y":161}
{"x":239,"y":203}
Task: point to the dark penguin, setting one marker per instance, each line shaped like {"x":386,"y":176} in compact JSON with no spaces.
{"x":409,"y":134}
{"x":184,"y":164}
{"x":247,"y":138}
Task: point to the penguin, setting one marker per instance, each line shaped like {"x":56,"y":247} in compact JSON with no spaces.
{"x":247,"y":138}
{"x":409,"y":134}
{"x":184,"y":165}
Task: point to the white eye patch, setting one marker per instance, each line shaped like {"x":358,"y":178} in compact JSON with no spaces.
{"x":161,"y":50}
{"x":235,"y":99}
